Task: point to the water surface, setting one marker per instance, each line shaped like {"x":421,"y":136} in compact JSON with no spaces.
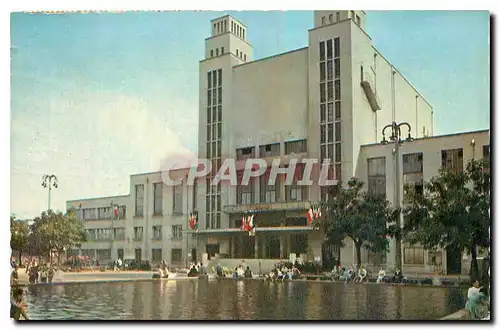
{"x":239,"y":300}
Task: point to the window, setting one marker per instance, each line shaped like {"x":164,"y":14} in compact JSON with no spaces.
{"x":232,"y":26}
{"x":329,"y":70}
{"x":270,"y":150}
{"x":337,"y":67}
{"x":103,"y":254}
{"x":138,"y":254}
{"x":225,"y":29}
{"x":177,"y":209}
{"x":337,"y":110}
{"x":222,"y":50}
{"x":244,"y":193}
{"x":337,"y":89}
{"x":157,"y":233}
{"x":322,"y":91}
{"x":331,"y":18}
{"x":376,"y":175}
{"x":362,"y":74}
{"x":156,"y":255}
{"x":338,"y":16}
{"x":219,"y":73}
{"x":245,"y":57}
{"x":452,"y":160}
{"x":322,"y":51}
{"x":176,"y":255}
{"x":322,"y":111}
{"x":329,"y":49}
{"x":337,"y":132}
{"x":336,"y":45}
{"x":330,"y":91}
{"x":139,"y":200}
{"x":413,"y":256}
{"x":295,"y":147}
{"x":243,"y":32}
{"x":237,"y":53}
{"x":158,"y":198}
{"x":211,"y":53}
{"x":119,"y":234}
{"x":323,"y":20}
{"x":322,"y":73}
{"x":209,"y":80}
{"x":244,"y":153}
{"x":486,"y":156}
{"x":269,"y":193}
{"x":413,"y":180}
{"x":330,"y":112}
{"x":294,"y":192}
{"x":177,"y":232}
{"x":338,"y":153}
{"x":138,"y":233}
{"x":217,"y":52}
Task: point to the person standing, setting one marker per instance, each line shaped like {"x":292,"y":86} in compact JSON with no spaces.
{"x":17,"y":306}
{"x":474,"y":289}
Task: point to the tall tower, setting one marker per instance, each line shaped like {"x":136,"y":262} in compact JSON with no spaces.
{"x":226,"y":47}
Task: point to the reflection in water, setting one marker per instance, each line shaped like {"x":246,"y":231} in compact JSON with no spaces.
{"x":240,"y":300}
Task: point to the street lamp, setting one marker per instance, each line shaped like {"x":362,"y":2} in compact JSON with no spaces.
{"x":49,"y":181}
{"x":396,"y":138}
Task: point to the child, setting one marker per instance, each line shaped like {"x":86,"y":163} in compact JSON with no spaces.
{"x":17,"y":306}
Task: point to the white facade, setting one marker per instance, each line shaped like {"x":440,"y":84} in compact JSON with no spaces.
{"x":299,"y":104}
{"x":149,"y":223}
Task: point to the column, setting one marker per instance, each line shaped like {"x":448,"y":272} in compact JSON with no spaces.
{"x":256,"y":247}
{"x":233,"y":246}
{"x":282,"y":246}
{"x":264,"y":246}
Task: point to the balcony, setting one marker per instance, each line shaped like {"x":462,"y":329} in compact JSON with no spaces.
{"x":267,"y":207}
{"x":368,"y":84}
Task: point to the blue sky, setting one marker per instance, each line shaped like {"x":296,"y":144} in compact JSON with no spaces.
{"x":96,"y":97}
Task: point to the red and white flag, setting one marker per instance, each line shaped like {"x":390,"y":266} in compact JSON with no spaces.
{"x":313,"y":214}
{"x":116,"y":213}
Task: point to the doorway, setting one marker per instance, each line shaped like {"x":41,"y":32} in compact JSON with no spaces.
{"x":212,"y":250}
{"x":193,"y":255}
{"x":330,"y":255}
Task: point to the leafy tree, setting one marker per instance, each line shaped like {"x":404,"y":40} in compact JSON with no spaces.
{"x":56,"y":232}
{"x":19,"y":232}
{"x":363,"y":217}
{"x":453,"y":212}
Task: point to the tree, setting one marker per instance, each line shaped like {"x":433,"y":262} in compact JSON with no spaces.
{"x":363,"y":217}
{"x":19,"y":232}
{"x":452,"y":213}
{"x":56,"y":232}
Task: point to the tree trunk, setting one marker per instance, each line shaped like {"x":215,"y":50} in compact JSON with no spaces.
{"x":474,"y":268}
{"x":358,"y":252}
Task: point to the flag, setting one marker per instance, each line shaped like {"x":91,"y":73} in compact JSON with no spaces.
{"x":116,"y":213}
{"x":310,"y":216}
{"x":193,"y":222}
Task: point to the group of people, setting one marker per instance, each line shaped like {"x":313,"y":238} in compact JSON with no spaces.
{"x":117,"y":265}
{"x":280,"y":273}
{"x":38,"y":273}
{"x":17,"y":305}
{"x":162,"y":270}
{"x":477,"y":302}
{"x":349,"y":274}
{"x":196,"y":269}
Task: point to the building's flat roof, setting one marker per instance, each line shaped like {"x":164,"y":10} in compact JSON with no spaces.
{"x":228,"y":15}
{"x":94,"y":198}
{"x":270,"y":57}
{"x":435,"y":137}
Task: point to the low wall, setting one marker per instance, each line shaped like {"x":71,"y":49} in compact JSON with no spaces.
{"x":256,"y":265}
{"x":462,"y":314}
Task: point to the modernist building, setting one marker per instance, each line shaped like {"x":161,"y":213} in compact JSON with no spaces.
{"x":329,"y":100}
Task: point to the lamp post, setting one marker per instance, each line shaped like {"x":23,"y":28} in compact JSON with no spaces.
{"x":396,"y":138}
{"x":49,"y":181}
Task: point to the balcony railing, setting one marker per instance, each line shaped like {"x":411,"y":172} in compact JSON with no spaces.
{"x":268,"y":207}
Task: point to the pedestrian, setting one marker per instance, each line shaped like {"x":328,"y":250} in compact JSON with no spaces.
{"x":17,"y":306}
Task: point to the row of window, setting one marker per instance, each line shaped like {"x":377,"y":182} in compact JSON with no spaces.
{"x":241,"y":55}
{"x":451,"y":160}
{"x":273,"y":149}
{"x":221,"y":27}
{"x":105,"y":254}
{"x":101,"y":213}
{"x":158,"y":199}
{"x":330,"y":18}
{"x":329,"y":48}
{"x":118,"y":234}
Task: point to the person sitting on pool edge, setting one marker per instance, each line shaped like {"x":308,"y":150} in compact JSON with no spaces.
{"x":17,"y":306}
{"x":248,"y":272}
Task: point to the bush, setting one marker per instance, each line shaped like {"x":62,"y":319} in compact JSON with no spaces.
{"x":426,"y":281}
{"x":309,"y":267}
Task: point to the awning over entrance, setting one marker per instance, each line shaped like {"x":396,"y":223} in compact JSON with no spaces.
{"x":267,"y":207}
{"x":225,"y":231}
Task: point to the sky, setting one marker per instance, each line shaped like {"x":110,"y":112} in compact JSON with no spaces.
{"x":97,"y":97}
